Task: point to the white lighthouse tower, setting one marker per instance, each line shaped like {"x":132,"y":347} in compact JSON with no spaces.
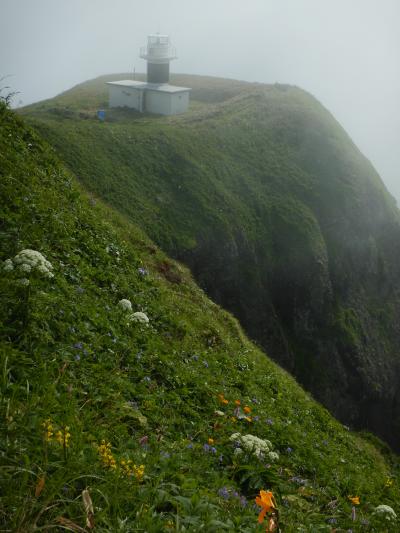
{"x":156,"y":95}
{"x":158,"y":54}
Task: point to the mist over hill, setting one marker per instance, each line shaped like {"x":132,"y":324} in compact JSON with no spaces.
{"x":276,"y":212}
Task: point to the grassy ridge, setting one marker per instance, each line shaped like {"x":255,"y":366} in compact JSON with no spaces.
{"x":74,"y":373}
{"x":264,"y":196}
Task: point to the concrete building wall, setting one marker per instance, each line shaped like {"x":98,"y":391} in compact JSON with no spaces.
{"x":126,"y":97}
{"x":144,"y":98}
{"x":179,"y":102}
{"x":158,"y":102}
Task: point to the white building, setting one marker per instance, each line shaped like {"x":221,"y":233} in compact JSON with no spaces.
{"x":156,"y":95}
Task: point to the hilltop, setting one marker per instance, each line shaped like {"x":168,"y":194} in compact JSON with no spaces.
{"x":126,"y":425}
{"x":276,"y":212}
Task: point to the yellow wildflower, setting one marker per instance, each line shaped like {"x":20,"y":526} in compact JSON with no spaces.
{"x":106,"y":455}
{"x":48,"y":429}
{"x":63,"y":437}
{"x":210,"y":441}
{"x":248,"y":418}
{"x":355,"y":500}
{"x":247,"y":409}
{"x":388,"y":482}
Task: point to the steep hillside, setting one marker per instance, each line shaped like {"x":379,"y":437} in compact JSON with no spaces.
{"x":124,"y":425}
{"x":276,"y":212}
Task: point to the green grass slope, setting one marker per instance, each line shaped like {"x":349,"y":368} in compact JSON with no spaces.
{"x":115,"y":425}
{"x":276,"y":212}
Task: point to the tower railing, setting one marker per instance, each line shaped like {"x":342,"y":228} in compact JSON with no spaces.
{"x":158,"y":52}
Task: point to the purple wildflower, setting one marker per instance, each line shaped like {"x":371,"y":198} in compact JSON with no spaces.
{"x":206,"y":447}
{"x":190,"y":445}
{"x":142,"y":271}
{"x":224,"y":493}
{"x":205,"y":363}
{"x":77,"y":357}
{"x":165,"y":455}
{"x":289,"y":449}
{"x":269,"y":421}
{"x":78,"y":346}
{"x":243,"y":501}
{"x":213,"y":450}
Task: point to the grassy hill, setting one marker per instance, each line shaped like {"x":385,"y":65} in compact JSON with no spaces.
{"x":278,"y":215}
{"x":117,"y":425}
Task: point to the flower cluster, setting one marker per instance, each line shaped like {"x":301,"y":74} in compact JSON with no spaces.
{"x":129,"y":469}
{"x":126,"y":467}
{"x":125,"y":304}
{"x":254,"y":445}
{"x":62,"y":436}
{"x":29,"y":261}
{"x":227,"y":493}
{"x":106,"y":455}
{"x":48,"y":429}
{"x":138,"y":316}
{"x":385,"y":512}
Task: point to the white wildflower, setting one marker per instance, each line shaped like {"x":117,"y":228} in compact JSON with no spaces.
{"x":385,"y":512}
{"x":8,"y":265}
{"x":24,"y":267}
{"x":24,"y":282}
{"x":273,"y":456}
{"x":219,"y":413}
{"x":125,"y":305}
{"x":238,"y":451}
{"x":255,"y":445}
{"x":29,"y":260}
{"x":139,"y":317}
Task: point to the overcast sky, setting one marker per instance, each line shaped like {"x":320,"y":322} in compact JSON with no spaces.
{"x":345,"y":52}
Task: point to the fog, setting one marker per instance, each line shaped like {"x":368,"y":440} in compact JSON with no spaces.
{"x":345,"y":52}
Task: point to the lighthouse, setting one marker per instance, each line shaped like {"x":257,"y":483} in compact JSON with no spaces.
{"x":158,"y":53}
{"x":156,"y":95}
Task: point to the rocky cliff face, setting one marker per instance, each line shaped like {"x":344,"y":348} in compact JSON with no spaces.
{"x":282,"y":221}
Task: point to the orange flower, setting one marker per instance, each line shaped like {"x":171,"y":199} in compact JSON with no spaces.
{"x":266,"y":501}
{"x":222,"y":399}
{"x":355,"y":500}
{"x":237,"y":402}
{"x":247,"y":409}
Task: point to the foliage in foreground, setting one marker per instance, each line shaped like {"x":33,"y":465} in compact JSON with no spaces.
{"x":121,"y":425}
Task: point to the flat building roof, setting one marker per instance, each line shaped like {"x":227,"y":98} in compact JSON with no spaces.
{"x":161,"y":87}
